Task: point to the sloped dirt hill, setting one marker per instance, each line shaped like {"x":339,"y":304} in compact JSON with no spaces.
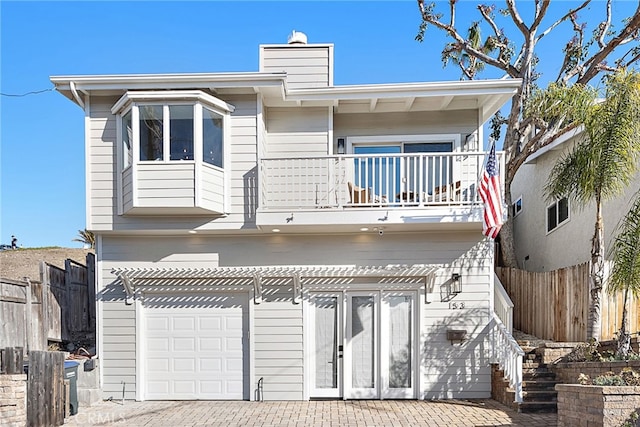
{"x":20,"y":263}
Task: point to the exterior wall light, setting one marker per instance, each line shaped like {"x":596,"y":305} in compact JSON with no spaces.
{"x":456,"y":283}
{"x":341,"y":146}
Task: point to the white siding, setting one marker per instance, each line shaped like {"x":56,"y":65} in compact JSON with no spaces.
{"x":306,"y":66}
{"x":243,"y":170}
{"x":295,"y":132}
{"x":549,"y":251}
{"x":278,"y":343}
{"x":127,"y":189}
{"x":212,"y":193}
{"x":102,"y":157}
{"x":166,"y":184}
{"x":463,"y":122}
{"x":277,"y":334}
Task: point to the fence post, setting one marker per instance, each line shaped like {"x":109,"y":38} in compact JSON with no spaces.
{"x":44,"y":305}
{"x":91,"y":290}
{"x":45,"y":389}
{"x":67,"y":313}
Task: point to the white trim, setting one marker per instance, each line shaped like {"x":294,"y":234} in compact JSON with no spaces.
{"x":119,"y":164}
{"x":226,"y":161}
{"x":559,"y":224}
{"x":427,"y":138}
{"x":252,"y":384}
{"x":307,"y":353}
{"x":330,"y":55}
{"x":87,"y":161}
{"x":166,"y":133}
{"x":140,"y":347}
{"x":261,"y":143}
{"x":99,"y":307}
{"x":555,"y":145}
{"x":330,"y":141}
{"x":515,"y":204}
{"x":179,"y":96}
{"x":198,"y":153}
{"x":135,"y":154}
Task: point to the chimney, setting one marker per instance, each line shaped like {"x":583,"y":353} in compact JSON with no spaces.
{"x":306,"y":65}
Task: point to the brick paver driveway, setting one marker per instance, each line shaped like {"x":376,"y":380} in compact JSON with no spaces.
{"x":447,"y":413}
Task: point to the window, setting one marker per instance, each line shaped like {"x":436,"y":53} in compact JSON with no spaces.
{"x":151,"y":132}
{"x":557,"y":214}
{"x":127,"y":137}
{"x":212,"y":137}
{"x":516,"y":207}
{"x":170,"y":124}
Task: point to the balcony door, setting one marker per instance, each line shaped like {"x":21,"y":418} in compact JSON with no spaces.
{"x":394,"y":175}
{"x":364,"y":345}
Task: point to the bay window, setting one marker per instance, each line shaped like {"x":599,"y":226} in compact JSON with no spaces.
{"x":171,"y":152}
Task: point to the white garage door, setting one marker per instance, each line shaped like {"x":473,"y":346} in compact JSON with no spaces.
{"x":194,"y":346}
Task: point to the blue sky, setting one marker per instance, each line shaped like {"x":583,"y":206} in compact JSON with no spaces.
{"x":42,"y":190}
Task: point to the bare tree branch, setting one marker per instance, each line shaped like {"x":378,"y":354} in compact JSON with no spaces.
{"x":485,"y":14}
{"x":561,"y":20}
{"x":605,"y":25}
{"x":515,"y":16}
{"x":541,"y":11}
{"x":464,"y":45}
{"x":452,"y":9}
{"x":593,"y":63}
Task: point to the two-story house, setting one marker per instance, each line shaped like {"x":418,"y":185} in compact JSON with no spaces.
{"x":272,"y":235}
{"x":543,"y":227}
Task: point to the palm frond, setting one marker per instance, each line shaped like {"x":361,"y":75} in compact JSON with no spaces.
{"x":625,"y":252}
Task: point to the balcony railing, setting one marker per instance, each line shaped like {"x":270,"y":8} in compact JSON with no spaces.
{"x":383,"y":180}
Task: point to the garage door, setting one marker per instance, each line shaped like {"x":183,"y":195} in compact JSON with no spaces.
{"x":195,"y":346}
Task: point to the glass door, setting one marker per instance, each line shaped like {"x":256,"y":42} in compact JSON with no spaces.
{"x":398,"y":360}
{"x":326,"y":369}
{"x":362,"y":355}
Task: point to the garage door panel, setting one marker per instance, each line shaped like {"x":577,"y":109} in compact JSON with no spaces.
{"x":210,"y":344}
{"x":158,"y":344}
{"x":184,"y":344}
{"x":195,"y":347}
{"x":210,"y":323}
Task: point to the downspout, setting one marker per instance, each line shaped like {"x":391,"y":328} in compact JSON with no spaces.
{"x":75,"y":93}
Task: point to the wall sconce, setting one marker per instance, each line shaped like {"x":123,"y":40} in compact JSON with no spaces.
{"x":456,"y":283}
{"x":341,"y":146}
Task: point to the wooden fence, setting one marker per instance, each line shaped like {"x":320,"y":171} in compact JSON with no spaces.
{"x":61,"y":307}
{"x":45,"y":389}
{"x":554,"y":305}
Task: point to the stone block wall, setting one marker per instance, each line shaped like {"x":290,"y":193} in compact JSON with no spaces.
{"x":13,"y":400}
{"x":567,"y":373}
{"x":500,"y":387}
{"x":595,"y":406}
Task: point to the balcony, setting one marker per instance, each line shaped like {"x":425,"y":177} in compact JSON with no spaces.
{"x":395,"y":192}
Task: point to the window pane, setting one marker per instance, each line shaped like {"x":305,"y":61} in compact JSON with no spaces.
{"x":362,"y":342}
{"x":126,"y":140}
{"x":326,"y":338}
{"x":151,"y":132}
{"x":563,"y":210}
{"x":552,"y":217}
{"x":181,"y":132}
{"x":400,"y":341}
{"x":212,"y":138}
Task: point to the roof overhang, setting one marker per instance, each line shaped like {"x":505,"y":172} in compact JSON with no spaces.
{"x":557,"y":144}
{"x":487,"y":96}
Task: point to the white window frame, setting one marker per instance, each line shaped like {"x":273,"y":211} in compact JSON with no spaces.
{"x":558,"y":224}
{"x":514,"y":207}
{"x":132,"y":100}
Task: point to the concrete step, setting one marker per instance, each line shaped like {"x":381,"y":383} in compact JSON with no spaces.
{"x":540,"y":407}
{"x":539,"y":384}
{"x":539,"y":395}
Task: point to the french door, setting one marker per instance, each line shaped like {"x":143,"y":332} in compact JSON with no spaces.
{"x":364,"y":344}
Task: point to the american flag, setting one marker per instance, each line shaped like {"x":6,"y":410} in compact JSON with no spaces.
{"x":489,"y":192}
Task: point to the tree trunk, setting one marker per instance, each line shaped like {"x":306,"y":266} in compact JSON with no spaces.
{"x":507,"y":239}
{"x":596,"y":276}
{"x":624,"y":338}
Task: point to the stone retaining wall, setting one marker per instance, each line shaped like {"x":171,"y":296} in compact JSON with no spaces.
{"x":13,"y":400}
{"x":590,"y":405}
{"x":500,"y":387}
{"x":567,"y":373}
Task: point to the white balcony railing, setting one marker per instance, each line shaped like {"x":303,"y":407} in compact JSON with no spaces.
{"x":383,"y":180}
{"x":502,"y":304}
{"x":508,"y":355}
